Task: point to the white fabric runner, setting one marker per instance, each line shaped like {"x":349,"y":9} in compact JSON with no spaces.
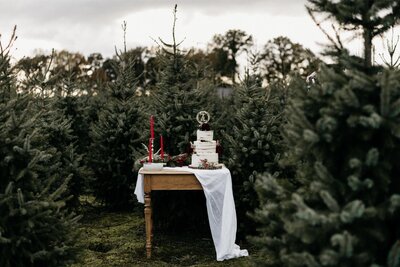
{"x":217,"y":187}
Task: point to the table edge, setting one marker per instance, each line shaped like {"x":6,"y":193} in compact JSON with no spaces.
{"x":164,"y":172}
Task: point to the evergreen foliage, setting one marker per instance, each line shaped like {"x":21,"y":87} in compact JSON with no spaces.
{"x":60,"y":131}
{"x":342,"y":206}
{"x":391,"y":58}
{"x":76,"y":109}
{"x":179,"y":95}
{"x":344,"y":134}
{"x":373,"y":17}
{"x":57,"y":138}
{"x":73,"y":142}
{"x":35,"y":227}
{"x":253,"y":143}
{"x":116,"y":136}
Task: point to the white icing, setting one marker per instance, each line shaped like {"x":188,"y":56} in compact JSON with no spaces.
{"x":210,"y":157}
{"x":205,"y":146}
{"x":205,"y":135}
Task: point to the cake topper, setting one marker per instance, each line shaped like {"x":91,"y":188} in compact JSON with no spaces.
{"x":203,"y":117}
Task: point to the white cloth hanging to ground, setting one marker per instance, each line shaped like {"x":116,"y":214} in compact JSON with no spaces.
{"x":217,"y":187}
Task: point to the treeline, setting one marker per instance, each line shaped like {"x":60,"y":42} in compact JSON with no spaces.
{"x":279,"y":58}
{"x":314,"y":165}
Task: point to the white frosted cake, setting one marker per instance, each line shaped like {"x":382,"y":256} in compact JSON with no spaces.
{"x":204,"y":148}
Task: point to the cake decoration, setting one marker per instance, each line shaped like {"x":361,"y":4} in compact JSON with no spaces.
{"x":205,"y":154}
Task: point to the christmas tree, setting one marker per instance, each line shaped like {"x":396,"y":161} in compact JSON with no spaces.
{"x":59,"y":133}
{"x":373,"y":17}
{"x":253,"y":143}
{"x":116,"y":136}
{"x":55,"y":135}
{"x":35,"y":227}
{"x":343,"y":136}
{"x":179,"y":95}
{"x":68,"y":130}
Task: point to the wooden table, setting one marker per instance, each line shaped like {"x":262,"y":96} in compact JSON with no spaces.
{"x":163,"y":180}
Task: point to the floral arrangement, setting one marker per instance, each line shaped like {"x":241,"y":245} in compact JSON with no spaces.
{"x":204,"y":127}
{"x":171,"y":161}
{"x":205,"y":165}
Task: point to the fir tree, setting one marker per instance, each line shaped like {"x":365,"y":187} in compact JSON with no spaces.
{"x":73,"y":141}
{"x":343,"y":136}
{"x":7,"y":81}
{"x":35,"y":227}
{"x":178,"y":96}
{"x":116,"y":137}
{"x":75,"y":107}
{"x":56,"y":135}
{"x":345,"y":133}
{"x":373,"y":17}
{"x":253,"y":143}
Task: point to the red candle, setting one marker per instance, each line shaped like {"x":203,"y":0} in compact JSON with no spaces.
{"x":151,"y":126}
{"x":162,"y":148}
{"x":150,"y":151}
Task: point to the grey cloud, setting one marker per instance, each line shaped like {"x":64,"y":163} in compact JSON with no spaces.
{"x":61,"y":19}
{"x":95,"y":11}
{"x":46,"y":15}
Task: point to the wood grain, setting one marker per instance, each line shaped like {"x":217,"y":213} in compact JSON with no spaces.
{"x":174,"y":182}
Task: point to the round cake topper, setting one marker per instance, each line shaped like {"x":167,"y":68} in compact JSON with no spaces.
{"x":203,"y":117}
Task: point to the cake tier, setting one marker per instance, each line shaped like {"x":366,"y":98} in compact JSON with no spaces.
{"x":205,"y":146}
{"x":205,"y":135}
{"x":198,"y":157}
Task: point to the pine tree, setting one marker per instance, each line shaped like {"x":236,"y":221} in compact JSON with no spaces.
{"x":57,"y":138}
{"x":345,"y":133}
{"x":68,"y":130}
{"x":178,"y":96}
{"x":177,"y":99}
{"x":75,"y":108}
{"x":116,"y":136}
{"x":373,"y":17}
{"x":253,"y":143}
{"x":343,"y":136}
{"x":35,"y":227}
{"x":56,"y":134}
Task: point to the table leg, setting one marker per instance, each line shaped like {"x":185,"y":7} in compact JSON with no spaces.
{"x":149,"y":221}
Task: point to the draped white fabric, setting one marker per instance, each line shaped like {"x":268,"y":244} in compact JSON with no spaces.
{"x":217,"y":187}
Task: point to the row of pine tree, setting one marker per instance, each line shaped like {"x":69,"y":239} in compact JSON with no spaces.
{"x":314,"y":166}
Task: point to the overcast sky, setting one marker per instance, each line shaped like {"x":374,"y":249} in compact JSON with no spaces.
{"x":89,"y":26}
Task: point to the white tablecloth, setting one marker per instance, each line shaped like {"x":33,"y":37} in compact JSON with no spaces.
{"x":217,"y":187}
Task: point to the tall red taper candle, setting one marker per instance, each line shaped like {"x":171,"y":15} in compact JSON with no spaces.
{"x":150,"y":151}
{"x":151,"y":126}
{"x":162,"y":148}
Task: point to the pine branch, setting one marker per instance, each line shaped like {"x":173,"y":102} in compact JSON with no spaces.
{"x":5,"y":50}
{"x":173,"y":27}
{"x":338,"y":43}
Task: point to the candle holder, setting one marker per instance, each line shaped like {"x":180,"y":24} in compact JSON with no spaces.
{"x":153,"y":166}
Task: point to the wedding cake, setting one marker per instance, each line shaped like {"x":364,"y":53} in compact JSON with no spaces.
{"x":204,"y":148}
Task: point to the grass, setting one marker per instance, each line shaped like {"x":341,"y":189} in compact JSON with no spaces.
{"x":118,"y":239}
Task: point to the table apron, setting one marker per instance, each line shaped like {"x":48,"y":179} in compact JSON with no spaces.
{"x":171,"y":182}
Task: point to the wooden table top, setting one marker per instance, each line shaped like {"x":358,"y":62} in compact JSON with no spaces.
{"x":164,"y":171}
